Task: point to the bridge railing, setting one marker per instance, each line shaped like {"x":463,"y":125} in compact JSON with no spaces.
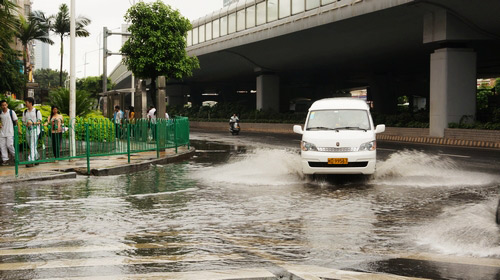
{"x":86,"y":138}
{"x":248,"y":14}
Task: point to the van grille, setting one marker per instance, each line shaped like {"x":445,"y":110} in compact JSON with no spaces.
{"x":338,"y":150}
{"x":350,"y":164}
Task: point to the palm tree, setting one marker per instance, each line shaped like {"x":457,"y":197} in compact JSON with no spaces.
{"x":28,"y":30}
{"x":61,"y":26}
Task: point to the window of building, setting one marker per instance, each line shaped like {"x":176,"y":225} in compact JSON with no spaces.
{"x":231,"y":23}
{"x":195,"y":36}
{"x":285,"y":8}
{"x":208,"y":31}
{"x":201,"y":34}
{"x":272,"y":10}
{"x":189,"y":38}
{"x":223,"y":26}
{"x":250,"y":16}
{"x":240,"y":20}
{"x":215,"y":28}
{"x":261,"y":13}
{"x":298,"y":6}
{"x":311,"y":4}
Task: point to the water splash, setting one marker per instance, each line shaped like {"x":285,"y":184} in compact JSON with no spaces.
{"x":262,"y":167}
{"x":418,"y":169}
{"x":468,"y":230}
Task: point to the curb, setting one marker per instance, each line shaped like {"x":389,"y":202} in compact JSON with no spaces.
{"x":135,"y":167}
{"x":440,"y":141}
{"x":66,"y":175}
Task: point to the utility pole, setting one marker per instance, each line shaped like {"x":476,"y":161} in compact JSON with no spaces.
{"x":72,"y":83}
{"x":105,"y":59}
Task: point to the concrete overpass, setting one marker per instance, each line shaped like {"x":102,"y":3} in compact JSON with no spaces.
{"x":284,"y":49}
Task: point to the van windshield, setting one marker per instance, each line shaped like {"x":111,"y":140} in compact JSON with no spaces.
{"x":338,"y":119}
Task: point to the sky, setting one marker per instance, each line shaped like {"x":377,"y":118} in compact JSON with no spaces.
{"x":107,"y":13}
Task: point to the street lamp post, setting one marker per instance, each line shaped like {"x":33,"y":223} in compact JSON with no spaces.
{"x":72,"y":84}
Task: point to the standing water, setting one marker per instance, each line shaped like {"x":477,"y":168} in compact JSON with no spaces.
{"x":233,"y":208}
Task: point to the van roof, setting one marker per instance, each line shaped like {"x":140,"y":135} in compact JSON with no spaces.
{"x":339,"y":103}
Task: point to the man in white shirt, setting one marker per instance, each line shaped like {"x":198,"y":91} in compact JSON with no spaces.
{"x":118,"y":119}
{"x":152,"y":121}
{"x":8,"y":121}
{"x":32,"y":118}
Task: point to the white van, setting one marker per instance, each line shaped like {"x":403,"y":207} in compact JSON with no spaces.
{"x":339,"y":137}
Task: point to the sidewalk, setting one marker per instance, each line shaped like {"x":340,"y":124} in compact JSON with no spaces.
{"x":100,"y":166}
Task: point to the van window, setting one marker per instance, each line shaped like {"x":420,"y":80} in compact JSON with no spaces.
{"x":338,"y":119}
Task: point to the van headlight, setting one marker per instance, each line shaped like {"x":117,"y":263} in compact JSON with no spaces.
{"x":306,"y":146}
{"x":368,"y":146}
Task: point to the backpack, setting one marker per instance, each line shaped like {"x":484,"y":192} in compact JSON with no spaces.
{"x":14,"y":123}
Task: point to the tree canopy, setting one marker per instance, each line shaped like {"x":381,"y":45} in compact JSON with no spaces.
{"x":157,"y":45}
{"x":60,"y":25}
{"x":93,"y":85}
{"x":60,"y":98}
{"x":48,"y":78}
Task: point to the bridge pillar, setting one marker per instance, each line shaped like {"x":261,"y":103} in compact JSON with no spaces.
{"x":268,"y":89}
{"x":452,"y":87}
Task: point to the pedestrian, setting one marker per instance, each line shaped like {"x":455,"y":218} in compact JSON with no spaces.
{"x":8,"y":120}
{"x":167,"y":117}
{"x":32,"y":118}
{"x":56,"y":122}
{"x":131,"y":113}
{"x":117,"y":119}
{"x":152,"y":121}
{"x":131,"y":120}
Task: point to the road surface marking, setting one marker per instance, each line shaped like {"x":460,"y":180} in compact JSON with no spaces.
{"x":452,"y":155}
{"x":114,"y":261}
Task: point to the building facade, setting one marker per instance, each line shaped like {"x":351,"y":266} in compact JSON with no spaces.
{"x":42,"y":57}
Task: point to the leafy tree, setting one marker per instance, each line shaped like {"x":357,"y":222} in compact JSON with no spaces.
{"x":28,"y":30}
{"x":60,"y":24}
{"x":157,"y":45}
{"x":13,"y":104}
{"x":8,"y":22}
{"x":93,"y":85}
{"x":483,"y":92}
{"x":497,"y":85}
{"x":60,"y":98}
{"x":48,"y":78}
{"x":11,"y":78}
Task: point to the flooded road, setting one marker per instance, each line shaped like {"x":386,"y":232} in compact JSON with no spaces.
{"x":243,"y":210}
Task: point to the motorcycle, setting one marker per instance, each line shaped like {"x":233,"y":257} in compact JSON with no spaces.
{"x":234,"y":128}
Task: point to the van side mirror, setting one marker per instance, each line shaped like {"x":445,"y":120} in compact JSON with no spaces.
{"x":298,"y":129}
{"x":380,"y":128}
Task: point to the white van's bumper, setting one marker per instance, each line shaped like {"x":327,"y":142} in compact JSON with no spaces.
{"x":358,"y":162}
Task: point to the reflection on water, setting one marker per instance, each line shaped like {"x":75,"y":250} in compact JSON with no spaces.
{"x":235,"y":207}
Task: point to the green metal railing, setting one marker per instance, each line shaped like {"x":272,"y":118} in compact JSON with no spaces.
{"x":95,"y":138}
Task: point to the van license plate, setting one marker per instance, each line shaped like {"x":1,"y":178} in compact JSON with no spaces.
{"x":337,"y":161}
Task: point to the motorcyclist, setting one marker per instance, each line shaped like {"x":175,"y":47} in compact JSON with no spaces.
{"x":234,"y":119}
